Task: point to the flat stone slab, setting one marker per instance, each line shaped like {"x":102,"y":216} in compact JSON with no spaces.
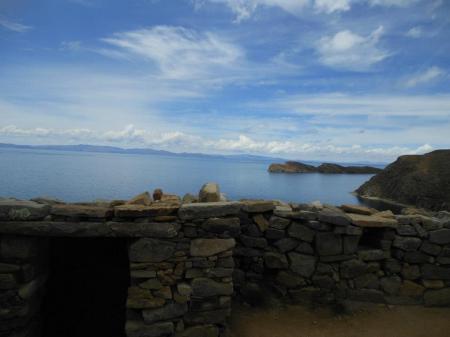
{"x":357,"y":209}
{"x":17,"y":210}
{"x":210,"y":247}
{"x":208,"y":210}
{"x":372,"y":221}
{"x":257,"y":206}
{"x":141,"y":211}
{"x":80,"y":211}
{"x":90,"y":229}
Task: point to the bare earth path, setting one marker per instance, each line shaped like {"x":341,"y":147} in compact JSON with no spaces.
{"x":377,"y":321}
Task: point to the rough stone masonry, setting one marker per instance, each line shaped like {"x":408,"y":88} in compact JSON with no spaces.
{"x":188,"y":259}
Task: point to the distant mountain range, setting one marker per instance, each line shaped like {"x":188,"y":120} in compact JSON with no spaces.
{"x":142,"y":151}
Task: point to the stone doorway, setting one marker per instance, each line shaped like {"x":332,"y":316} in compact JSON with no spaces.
{"x":87,"y":288}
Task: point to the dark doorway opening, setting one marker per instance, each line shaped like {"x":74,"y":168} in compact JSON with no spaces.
{"x":371,"y":238}
{"x":87,"y":288}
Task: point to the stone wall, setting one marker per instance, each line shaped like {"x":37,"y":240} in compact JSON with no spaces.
{"x":187,"y":260}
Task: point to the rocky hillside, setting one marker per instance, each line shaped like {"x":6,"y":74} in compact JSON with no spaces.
{"x":296,"y":167}
{"x":420,"y":180}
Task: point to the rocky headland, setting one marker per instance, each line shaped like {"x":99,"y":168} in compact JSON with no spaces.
{"x":328,"y":168}
{"x":419,"y":180}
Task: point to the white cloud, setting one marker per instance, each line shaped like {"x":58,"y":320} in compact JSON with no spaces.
{"x":336,"y":104}
{"x":177,"y":52}
{"x":14,"y":26}
{"x":244,"y":9}
{"x":392,"y":3}
{"x":330,"y":6}
{"x":242,"y":144}
{"x":429,"y":75}
{"x":347,"y":50}
{"x":415,"y":32}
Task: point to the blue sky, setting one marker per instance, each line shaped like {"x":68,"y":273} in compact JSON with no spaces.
{"x":342,"y":80}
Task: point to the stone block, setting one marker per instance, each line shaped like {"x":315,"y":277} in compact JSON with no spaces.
{"x":81,"y":211}
{"x":286,"y":244}
{"x":257,"y":206}
{"x":391,"y":285}
{"x":229,"y":226}
{"x":371,"y":255}
{"x":165,"y":313}
{"x":12,"y":209}
{"x":336,"y":218}
{"x":278,"y":223}
{"x":437,"y":298}
{"x":205,"y":287}
{"x":430,"y":248}
{"x":19,"y":247}
{"x":433,"y":272}
{"x":441,"y":236}
{"x":358,"y":209}
{"x":200,"y":331}
{"x":303,"y":265}
{"x":210,"y":247}
{"x":328,"y":244}
{"x":353,"y":268}
{"x":350,"y":243}
{"x":208,"y":210}
{"x":407,"y":243}
{"x":289,"y":280}
{"x":210,"y":192}
{"x":139,"y":329}
{"x":261,"y":222}
{"x":151,"y":250}
{"x":302,"y":232}
{"x":275,"y":260}
{"x":372,"y":221}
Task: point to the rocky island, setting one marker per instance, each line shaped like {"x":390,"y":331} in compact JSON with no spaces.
{"x":419,"y":180}
{"x":328,"y":168}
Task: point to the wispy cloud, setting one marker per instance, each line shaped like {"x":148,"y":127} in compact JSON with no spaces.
{"x":330,"y":6}
{"x":429,"y":75}
{"x":350,"y":51}
{"x":415,"y":32}
{"x":14,"y":26}
{"x":177,"y":52}
{"x":242,"y":144}
{"x":391,"y":3}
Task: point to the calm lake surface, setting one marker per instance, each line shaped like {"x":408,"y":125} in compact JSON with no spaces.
{"x":82,"y":176}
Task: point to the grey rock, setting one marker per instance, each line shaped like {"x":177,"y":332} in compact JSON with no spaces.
{"x":145,"y":229}
{"x":406,"y":230}
{"x":328,"y":244}
{"x":210,"y":247}
{"x":289,"y":279}
{"x":19,"y":247}
{"x":16,"y":210}
{"x":205,"y":287}
{"x":200,"y":331}
{"x":369,"y":281}
{"x":301,"y":264}
{"x":430,"y":248}
{"x":278,"y":223}
{"x":391,"y":285}
{"x":165,"y":313}
{"x":151,"y":250}
{"x":299,"y":231}
{"x":286,"y":244}
{"x":392,"y":266}
{"x":417,"y":257}
{"x":407,"y":243}
{"x":257,"y":206}
{"x":433,"y":272}
{"x":275,"y":260}
{"x":410,"y":272}
{"x":437,"y":298}
{"x":371,"y":255}
{"x":348,"y":230}
{"x":441,"y":236}
{"x":208,"y":210}
{"x":231,"y":226}
{"x":305,"y":248}
{"x":274,"y":234}
{"x":139,"y":329}
{"x":252,"y":242}
{"x":336,"y":218}
{"x":350,"y":243}
{"x":210,"y":192}
{"x":353,"y":268}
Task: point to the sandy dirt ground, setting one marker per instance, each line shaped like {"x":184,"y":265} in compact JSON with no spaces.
{"x":374,"y":321}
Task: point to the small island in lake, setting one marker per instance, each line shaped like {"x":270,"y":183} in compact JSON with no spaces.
{"x":297,"y":167}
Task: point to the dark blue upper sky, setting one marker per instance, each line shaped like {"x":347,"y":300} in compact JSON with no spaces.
{"x":305,"y":79}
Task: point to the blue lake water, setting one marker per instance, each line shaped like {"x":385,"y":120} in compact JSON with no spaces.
{"x":82,"y":176}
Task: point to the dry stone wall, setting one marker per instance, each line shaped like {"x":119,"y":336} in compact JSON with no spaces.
{"x":188,"y":260}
